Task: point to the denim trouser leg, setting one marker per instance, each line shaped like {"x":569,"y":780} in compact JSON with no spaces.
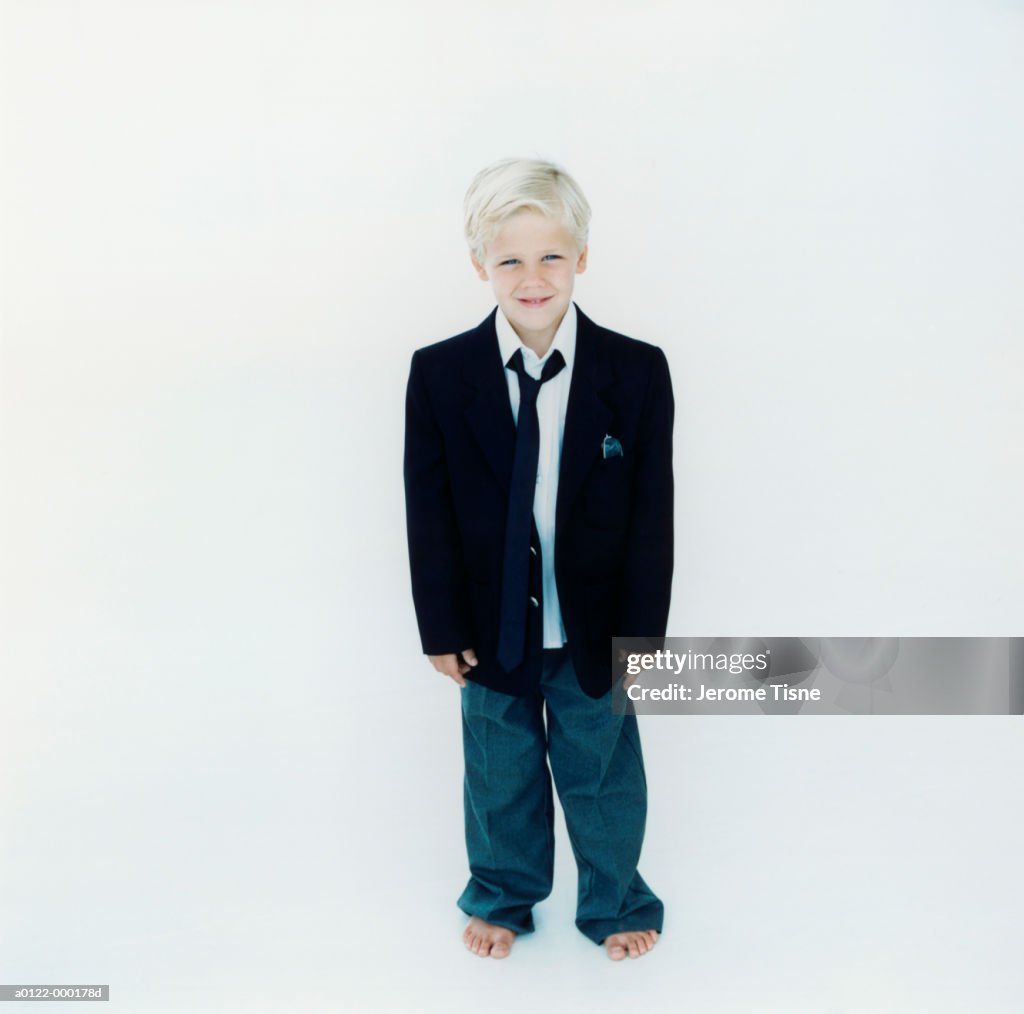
{"x":509,"y":808}
{"x":599,"y":773}
{"x":598,"y":768}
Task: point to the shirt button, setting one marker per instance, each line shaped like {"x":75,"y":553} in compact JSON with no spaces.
{"x":534,"y":601}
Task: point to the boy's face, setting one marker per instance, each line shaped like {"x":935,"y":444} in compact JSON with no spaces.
{"x":531,"y":265}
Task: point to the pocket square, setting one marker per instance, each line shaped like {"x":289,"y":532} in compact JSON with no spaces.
{"x":610,"y":447}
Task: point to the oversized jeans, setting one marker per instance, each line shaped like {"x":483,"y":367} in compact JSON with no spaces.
{"x":598,"y":769}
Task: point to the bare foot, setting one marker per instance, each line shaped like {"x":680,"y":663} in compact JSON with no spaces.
{"x":486,"y":939}
{"x":635,"y":943}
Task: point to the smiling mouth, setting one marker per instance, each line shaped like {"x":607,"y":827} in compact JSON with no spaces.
{"x":534,"y":302}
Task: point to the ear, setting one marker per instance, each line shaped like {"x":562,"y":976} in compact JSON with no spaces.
{"x":479,"y":268}
{"x":581,"y":262}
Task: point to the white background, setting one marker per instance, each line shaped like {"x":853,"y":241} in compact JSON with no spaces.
{"x":229,"y":780}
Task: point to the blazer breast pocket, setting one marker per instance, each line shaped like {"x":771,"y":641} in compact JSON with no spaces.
{"x":606,"y":493}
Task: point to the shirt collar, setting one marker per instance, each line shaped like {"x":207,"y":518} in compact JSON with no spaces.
{"x":564,"y":340}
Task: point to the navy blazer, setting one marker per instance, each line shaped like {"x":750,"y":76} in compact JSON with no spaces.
{"x":613,"y":517}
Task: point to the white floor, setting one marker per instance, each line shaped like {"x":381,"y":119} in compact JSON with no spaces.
{"x":302,"y":851}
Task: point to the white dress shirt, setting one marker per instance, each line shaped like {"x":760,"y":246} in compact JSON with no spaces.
{"x":552,"y":402}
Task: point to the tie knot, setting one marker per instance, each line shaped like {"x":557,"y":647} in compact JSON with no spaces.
{"x":529,"y":386}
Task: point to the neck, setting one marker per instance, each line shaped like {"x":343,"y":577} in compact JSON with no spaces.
{"x":538,"y":341}
{"x":539,"y":345}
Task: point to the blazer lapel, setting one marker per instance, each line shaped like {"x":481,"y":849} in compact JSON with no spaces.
{"x":489,"y":412}
{"x":587,"y":416}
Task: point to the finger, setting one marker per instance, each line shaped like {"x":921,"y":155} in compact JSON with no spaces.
{"x":470,"y":656}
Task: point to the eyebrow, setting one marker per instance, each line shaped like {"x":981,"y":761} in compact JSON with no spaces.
{"x":543,"y":253}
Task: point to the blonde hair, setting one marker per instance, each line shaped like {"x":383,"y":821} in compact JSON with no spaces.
{"x":511,"y":184}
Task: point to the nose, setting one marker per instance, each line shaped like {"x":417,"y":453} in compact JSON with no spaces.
{"x":533,"y":274}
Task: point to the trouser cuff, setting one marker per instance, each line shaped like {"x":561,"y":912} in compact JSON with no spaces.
{"x":650,"y":917}
{"x":520,"y":923}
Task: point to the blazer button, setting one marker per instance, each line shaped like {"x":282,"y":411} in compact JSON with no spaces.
{"x":534,"y":601}
{"x":532,"y":550}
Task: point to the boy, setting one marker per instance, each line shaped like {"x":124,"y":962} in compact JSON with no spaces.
{"x":539,"y":503}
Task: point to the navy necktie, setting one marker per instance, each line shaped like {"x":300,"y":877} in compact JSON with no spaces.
{"x":515,"y":575}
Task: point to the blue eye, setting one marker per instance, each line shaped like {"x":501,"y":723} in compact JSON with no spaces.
{"x":515,"y":260}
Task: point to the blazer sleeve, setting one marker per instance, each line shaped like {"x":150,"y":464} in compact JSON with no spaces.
{"x":435,"y":555}
{"x":647,"y":575}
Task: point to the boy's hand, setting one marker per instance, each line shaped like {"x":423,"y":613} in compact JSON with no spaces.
{"x":455,"y":665}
